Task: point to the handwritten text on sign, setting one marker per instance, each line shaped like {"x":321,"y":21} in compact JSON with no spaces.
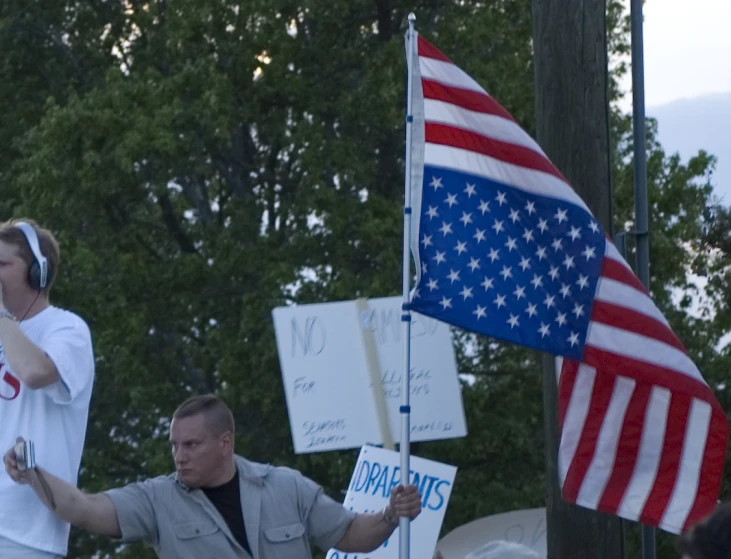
{"x":326,"y":384}
{"x":435,"y":394}
{"x":376,"y":473}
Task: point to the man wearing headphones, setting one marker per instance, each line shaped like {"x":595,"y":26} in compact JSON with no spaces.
{"x":46,"y":378}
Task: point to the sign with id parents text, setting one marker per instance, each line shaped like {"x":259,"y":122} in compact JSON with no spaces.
{"x":376,"y":473}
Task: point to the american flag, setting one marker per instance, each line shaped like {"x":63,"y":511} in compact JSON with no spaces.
{"x":505,"y":247}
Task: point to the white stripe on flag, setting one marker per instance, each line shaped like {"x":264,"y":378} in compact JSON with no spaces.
{"x":613,"y":253}
{"x":648,"y":454}
{"x":573,"y":423}
{"x":636,"y":346}
{"x":417,"y":154}
{"x":487,"y":125}
{"x":623,"y":295}
{"x":602,"y":464}
{"x":528,"y":180}
{"x":448,"y":74}
{"x":686,"y":485}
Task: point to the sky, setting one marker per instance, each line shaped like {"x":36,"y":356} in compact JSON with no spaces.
{"x":687,"y":47}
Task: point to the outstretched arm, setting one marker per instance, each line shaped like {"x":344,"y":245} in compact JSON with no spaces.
{"x":94,"y":513}
{"x":368,"y":531}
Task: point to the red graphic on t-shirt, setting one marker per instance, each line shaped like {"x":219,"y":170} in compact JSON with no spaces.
{"x":14,"y":383}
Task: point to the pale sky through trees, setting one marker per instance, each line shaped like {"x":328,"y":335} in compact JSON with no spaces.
{"x":688,"y":79}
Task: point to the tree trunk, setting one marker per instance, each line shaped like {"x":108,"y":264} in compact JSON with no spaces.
{"x":572,"y":114}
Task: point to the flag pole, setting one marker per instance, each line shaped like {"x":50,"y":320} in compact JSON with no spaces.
{"x":404,"y":532}
{"x":640,"y":172}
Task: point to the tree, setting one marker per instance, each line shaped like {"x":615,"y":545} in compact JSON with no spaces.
{"x":205,"y":162}
{"x":216,"y":158}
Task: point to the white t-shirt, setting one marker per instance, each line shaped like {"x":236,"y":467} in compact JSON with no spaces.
{"x":54,"y":418}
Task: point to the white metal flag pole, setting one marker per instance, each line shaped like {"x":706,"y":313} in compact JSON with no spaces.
{"x":405,"y":532}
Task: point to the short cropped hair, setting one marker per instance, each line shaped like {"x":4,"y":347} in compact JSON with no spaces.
{"x":218,"y":416}
{"x":711,"y":538}
{"x":11,"y":234}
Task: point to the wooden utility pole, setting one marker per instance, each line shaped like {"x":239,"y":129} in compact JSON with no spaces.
{"x":572,"y":115}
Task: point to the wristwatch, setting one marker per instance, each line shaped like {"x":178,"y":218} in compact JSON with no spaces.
{"x":8,"y":314}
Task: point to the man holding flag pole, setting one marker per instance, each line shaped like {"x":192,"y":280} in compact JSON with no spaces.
{"x":503,"y":246}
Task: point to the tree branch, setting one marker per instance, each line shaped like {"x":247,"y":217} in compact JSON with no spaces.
{"x":173,"y":225}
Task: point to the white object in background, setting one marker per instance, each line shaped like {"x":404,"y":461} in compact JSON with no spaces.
{"x":503,"y":550}
{"x":526,"y":527}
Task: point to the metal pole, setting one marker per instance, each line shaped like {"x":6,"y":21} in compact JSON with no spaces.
{"x":640,"y":168}
{"x":404,"y":523}
{"x":638,"y":125}
{"x":620,"y":242}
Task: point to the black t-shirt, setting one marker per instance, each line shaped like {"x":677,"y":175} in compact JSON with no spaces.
{"x":227,"y":499}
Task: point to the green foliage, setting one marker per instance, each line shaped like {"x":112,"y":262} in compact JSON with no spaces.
{"x":199,"y":159}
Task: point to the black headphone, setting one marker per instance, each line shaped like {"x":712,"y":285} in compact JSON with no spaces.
{"x":38,"y":271}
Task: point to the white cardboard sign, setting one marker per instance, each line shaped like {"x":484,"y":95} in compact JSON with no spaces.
{"x":376,"y":473}
{"x":326,"y":379}
{"x":436,"y":397}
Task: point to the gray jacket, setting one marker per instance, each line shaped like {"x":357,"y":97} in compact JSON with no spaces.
{"x":283,"y":512}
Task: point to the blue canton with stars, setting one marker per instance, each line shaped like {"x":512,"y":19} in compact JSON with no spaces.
{"x":505,"y":263}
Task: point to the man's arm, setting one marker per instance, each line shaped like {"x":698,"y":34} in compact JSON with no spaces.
{"x":94,"y":513}
{"x":368,"y":531}
{"x":27,"y":361}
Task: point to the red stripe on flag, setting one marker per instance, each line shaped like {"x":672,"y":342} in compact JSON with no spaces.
{"x":612,"y":269}
{"x":566,"y":383}
{"x":451,"y":136}
{"x":427,"y":50}
{"x":464,"y":98}
{"x":633,"y":321}
{"x":600,"y":398}
{"x":628,"y":447}
{"x":709,"y":483}
{"x":668,"y":468}
{"x":642,"y":371}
